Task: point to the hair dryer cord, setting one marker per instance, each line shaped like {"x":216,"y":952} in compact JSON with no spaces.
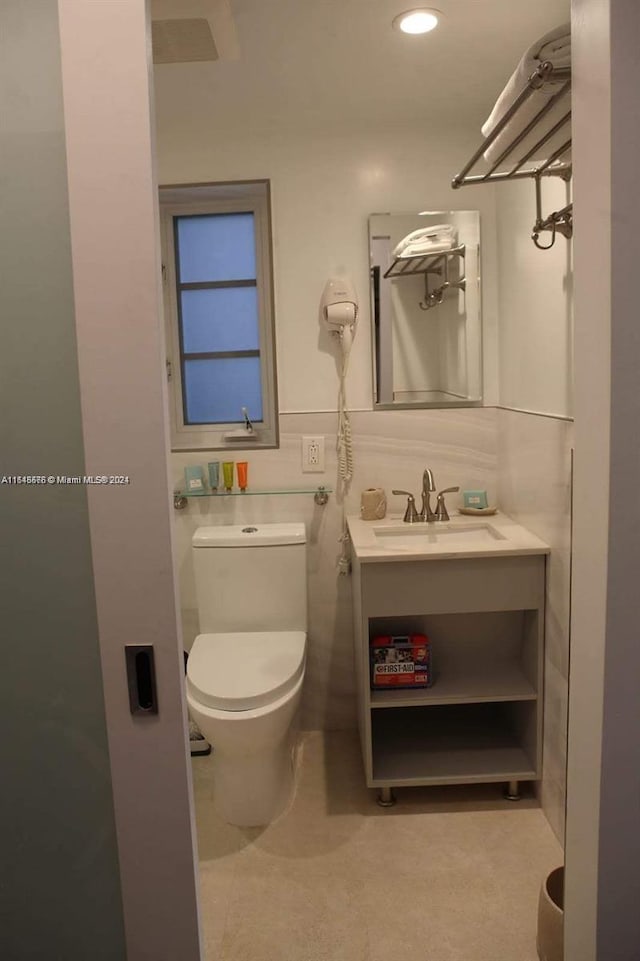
{"x":345,"y":446}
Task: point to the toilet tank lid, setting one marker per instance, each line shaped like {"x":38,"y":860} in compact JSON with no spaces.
{"x":249,"y":535}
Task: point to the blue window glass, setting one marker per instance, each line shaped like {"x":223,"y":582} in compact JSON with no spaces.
{"x":216,"y":247}
{"x":216,"y":390}
{"x":221,"y":318}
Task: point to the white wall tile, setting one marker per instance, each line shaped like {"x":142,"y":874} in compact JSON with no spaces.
{"x":534,"y":487}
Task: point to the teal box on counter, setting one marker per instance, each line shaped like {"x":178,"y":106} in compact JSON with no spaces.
{"x":475,"y":499}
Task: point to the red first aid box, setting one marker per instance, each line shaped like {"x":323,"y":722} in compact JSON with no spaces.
{"x":400,"y":660}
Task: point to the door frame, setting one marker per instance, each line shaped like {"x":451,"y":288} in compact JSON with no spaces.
{"x":113,"y":202}
{"x":602,"y":890}
{"x":112,"y":182}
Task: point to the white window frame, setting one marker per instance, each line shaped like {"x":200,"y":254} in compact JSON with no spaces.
{"x":237,"y":197}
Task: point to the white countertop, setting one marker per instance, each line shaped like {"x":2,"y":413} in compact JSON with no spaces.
{"x":494,"y":535}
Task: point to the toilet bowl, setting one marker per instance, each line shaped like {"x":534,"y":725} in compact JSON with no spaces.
{"x":248,"y":716}
{"x":244,"y":684}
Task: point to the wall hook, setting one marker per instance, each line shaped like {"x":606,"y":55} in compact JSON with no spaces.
{"x":535,"y":235}
{"x":430,"y":297}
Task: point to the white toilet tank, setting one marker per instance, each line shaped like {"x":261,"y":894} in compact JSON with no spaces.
{"x":251,"y":577}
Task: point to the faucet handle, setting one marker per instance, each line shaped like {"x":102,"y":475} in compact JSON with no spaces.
{"x":411,"y":514}
{"x":441,"y":509}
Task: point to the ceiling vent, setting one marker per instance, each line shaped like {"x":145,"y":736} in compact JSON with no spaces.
{"x":188,"y":31}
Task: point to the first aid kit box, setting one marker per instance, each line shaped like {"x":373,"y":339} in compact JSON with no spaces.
{"x":400,"y":661}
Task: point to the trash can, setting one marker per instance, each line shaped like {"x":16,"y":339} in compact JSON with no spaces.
{"x":551,"y":917}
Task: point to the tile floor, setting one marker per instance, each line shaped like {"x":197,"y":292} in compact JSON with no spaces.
{"x":448,"y":874}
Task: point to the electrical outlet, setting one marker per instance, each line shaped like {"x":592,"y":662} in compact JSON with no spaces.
{"x":313,"y":455}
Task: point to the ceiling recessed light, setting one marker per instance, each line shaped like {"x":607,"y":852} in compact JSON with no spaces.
{"x":421,"y":20}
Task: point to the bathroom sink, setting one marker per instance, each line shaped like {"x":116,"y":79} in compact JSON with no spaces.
{"x":391,"y":540}
{"x":415,"y":537}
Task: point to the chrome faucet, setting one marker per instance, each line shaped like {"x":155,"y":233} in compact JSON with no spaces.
{"x":428,"y":487}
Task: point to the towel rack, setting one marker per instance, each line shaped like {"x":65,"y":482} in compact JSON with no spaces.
{"x":435,"y":263}
{"x":560,"y":221}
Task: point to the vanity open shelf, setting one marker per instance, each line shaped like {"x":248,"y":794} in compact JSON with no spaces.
{"x":481,"y":720}
{"x":503,"y":682}
{"x":488,"y":656}
{"x":449,"y":744}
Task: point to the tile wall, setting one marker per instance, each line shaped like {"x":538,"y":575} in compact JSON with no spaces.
{"x":534,"y":487}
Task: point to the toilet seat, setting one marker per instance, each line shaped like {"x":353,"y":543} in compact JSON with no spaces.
{"x":245,"y":670}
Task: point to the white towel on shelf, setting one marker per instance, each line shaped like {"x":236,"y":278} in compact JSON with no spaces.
{"x":423,"y":249}
{"x":555,"y":47}
{"x":427,"y":240}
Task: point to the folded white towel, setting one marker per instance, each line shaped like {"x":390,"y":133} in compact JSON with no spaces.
{"x":527,"y":112}
{"x":420,"y":248}
{"x":440,"y":236}
{"x":555,"y":47}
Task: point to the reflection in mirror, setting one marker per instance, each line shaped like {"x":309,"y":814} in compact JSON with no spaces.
{"x":425,"y":306}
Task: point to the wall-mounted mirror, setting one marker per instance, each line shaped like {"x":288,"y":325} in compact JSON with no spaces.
{"x":425,"y":306}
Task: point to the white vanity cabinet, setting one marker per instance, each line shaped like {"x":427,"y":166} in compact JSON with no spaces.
{"x":483,"y":611}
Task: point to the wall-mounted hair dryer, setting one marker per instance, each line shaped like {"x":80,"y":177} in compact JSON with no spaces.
{"x":339,"y":304}
{"x":339,"y":309}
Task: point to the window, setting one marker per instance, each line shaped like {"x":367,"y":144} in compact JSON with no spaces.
{"x":219,"y":310}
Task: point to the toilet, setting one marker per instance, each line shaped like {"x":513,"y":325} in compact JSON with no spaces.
{"x":246,"y":669}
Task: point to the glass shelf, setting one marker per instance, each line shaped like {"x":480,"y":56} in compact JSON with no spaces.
{"x":320,"y":494}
